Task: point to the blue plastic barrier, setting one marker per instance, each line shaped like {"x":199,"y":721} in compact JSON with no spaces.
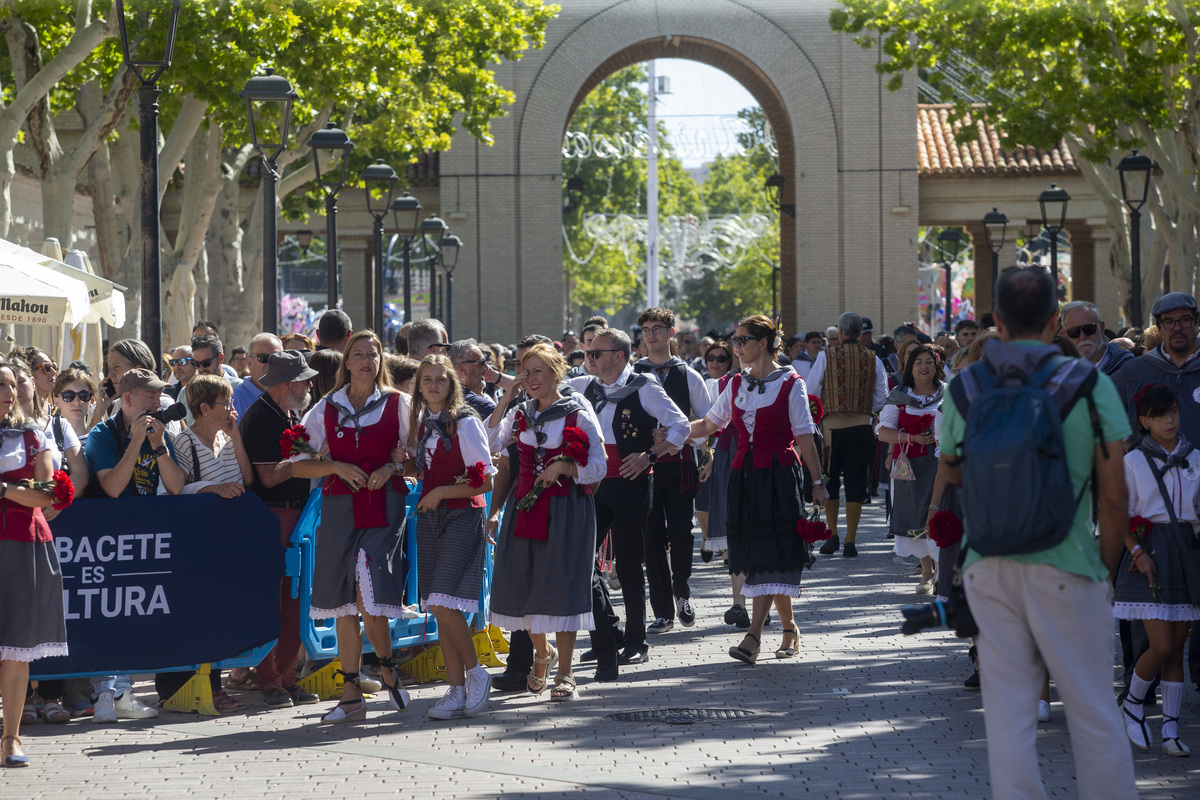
{"x":320,"y":636}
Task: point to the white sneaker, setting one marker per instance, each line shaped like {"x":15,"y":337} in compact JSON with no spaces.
{"x":1043,"y":711}
{"x":103,"y":711}
{"x":479,"y":685}
{"x":129,"y":707}
{"x":451,"y":706}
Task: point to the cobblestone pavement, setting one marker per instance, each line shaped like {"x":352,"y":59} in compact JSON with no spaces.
{"x":862,"y":712}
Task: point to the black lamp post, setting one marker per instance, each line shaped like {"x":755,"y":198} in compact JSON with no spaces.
{"x":304,"y":239}
{"x":380,"y":184}
{"x":774,"y":188}
{"x":448,"y":250}
{"x":1054,"y":218}
{"x":262,"y":94}
{"x":995,"y":228}
{"x":148,"y":73}
{"x":950,"y":242}
{"x":406,"y":213}
{"x":331,"y":139}
{"x":574,"y":194}
{"x":1135,"y":171}
{"x":433,"y":228}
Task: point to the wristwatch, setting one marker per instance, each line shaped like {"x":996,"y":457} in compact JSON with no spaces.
{"x":652,"y":456}
{"x":161,"y":450}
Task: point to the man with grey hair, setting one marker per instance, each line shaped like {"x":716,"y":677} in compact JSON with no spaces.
{"x":262,"y":347}
{"x":852,"y":384}
{"x":831,"y":334}
{"x":427,"y":337}
{"x":471,"y":364}
{"x":1080,"y":322}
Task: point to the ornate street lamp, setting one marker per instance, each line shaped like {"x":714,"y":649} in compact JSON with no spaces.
{"x":148,"y":71}
{"x":406,"y":214}
{"x":950,"y":242}
{"x":995,"y":228}
{"x":1135,"y":171}
{"x":1054,"y":218}
{"x":574,"y":194}
{"x":774,"y":188}
{"x":304,"y":239}
{"x":269,"y":100}
{"x":379,"y":182}
{"x":433,"y":228}
{"x":332,"y":140}
{"x":448,"y":251}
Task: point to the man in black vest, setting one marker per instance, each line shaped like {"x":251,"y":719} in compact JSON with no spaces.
{"x":673,"y":498}
{"x":629,"y":407}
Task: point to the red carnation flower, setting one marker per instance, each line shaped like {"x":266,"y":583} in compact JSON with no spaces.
{"x":474,"y":476}
{"x":575,"y":442}
{"x":64,"y":490}
{"x":815,"y":408}
{"x":522,"y":423}
{"x":294,"y":441}
{"x":945,"y":529}
{"x":812,"y":531}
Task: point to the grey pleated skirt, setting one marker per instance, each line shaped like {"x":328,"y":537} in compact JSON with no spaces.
{"x":718,"y":499}
{"x":1132,"y":596}
{"x":910,"y":508}
{"x":546,"y":586}
{"x":450,"y":545}
{"x":367,"y":559}
{"x":32,"y":624}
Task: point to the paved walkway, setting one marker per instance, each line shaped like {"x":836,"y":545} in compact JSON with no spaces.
{"x":862,"y":713}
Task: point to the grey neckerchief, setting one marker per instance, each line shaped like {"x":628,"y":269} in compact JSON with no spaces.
{"x":631,"y":387}
{"x":1176,"y":458}
{"x":900,"y":396}
{"x":760,"y":384}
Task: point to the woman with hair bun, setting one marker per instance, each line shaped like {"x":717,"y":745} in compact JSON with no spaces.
{"x":768,"y":407}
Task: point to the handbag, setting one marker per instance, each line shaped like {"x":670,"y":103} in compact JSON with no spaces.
{"x":1189,"y":556}
{"x":901,"y":467}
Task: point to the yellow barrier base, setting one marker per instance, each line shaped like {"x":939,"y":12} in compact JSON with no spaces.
{"x":485,"y":649}
{"x":324,"y":683}
{"x":195,"y":696}
{"x":427,"y":666}
{"x":499,"y":643}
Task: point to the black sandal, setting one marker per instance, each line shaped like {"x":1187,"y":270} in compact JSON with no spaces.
{"x":398,"y":696}
{"x":744,"y":655}
{"x":1141,"y":721}
{"x":345,"y":711}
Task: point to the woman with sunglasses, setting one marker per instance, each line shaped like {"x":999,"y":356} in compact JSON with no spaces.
{"x":767,"y":405}
{"x":44,"y":372}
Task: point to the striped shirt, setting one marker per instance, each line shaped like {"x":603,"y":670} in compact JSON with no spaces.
{"x":218,"y":467}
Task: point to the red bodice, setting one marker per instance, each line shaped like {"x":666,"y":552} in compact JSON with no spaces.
{"x":534,"y":523}
{"x":444,"y":469}
{"x":368,"y":449}
{"x":772,"y":428}
{"x":20,"y":523}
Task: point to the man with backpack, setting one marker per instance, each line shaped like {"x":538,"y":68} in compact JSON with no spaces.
{"x":1026,"y":431}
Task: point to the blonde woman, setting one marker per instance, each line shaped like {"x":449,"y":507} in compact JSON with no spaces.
{"x":362,"y":516}
{"x":455,"y":466}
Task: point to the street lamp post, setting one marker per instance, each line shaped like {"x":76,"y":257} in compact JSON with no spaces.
{"x":406,"y":213}
{"x":332,"y":139}
{"x":148,"y":72}
{"x":1053,"y":202}
{"x":448,"y":250}
{"x":262,"y":94}
{"x":433,"y":228}
{"x":379,"y":180}
{"x":995,"y":228}
{"x":1135,"y":171}
{"x":950,"y":242}
{"x":774,"y":190}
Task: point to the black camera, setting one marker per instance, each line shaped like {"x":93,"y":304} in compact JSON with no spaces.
{"x":953,"y":612}
{"x":172,"y":413}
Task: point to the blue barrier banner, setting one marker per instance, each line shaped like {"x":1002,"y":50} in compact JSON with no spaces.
{"x":153,"y":583}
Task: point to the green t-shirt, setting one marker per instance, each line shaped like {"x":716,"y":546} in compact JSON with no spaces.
{"x":1078,"y":553}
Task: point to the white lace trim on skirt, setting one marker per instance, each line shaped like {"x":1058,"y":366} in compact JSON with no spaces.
{"x":1171,"y":613}
{"x":716,"y":543}
{"x":363,"y":575}
{"x":449,"y":601}
{"x":543,"y":623}
{"x":908,"y":547}
{"x":45,"y":650}
{"x":765,"y":589}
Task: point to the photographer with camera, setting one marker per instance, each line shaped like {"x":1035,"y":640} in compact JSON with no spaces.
{"x":1036,"y":581}
{"x":129,"y":453}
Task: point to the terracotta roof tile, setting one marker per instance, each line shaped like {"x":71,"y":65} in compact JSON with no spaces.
{"x":938,"y":155}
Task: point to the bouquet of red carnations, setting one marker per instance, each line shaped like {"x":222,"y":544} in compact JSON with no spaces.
{"x":474,"y":476}
{"x":575,"y":450}
{"x":945,"y":529}
{"x":59,"y":487}
{"x":812,"y":529}
{"x":1139,"y":527}
{"x":815,"y":409}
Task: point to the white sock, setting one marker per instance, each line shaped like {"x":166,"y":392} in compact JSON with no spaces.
{"x":1137,"y":692}
{"x":1172,"y":699}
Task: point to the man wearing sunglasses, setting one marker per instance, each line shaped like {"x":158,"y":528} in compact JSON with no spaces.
{"x":183,"y":367}
{"x":262,"y":347}
{"x":676,"y":476}
{"x":1080,"y":322}
{"x":630,"y":406}
{"x":473,"y":367}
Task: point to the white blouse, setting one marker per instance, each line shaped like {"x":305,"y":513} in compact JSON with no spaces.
{"x":889,"y":417}
{"x":472,"y":443}
{"x":721,"y":414}
{"x":1145,"y":500}
{"x":597,"y":464}
{"x":314,"y":420}
{"x":12,"y":451}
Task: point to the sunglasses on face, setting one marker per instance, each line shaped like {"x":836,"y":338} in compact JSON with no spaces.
{"x":741,"y":341}
{"x":594,"y":354}
{"x":69,"y":396}
{"x":716,"y":358}
{"x":205,"y":363}
{"x":263,"y":357}
{"x":49,"y":368}
{"x":440,"y":344}
{"x":484,"y":360}
{"x":180,"y":362}
{"x":1085,"y":330}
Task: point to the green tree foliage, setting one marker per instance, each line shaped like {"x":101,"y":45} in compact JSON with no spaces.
{"x":1103,"y":75}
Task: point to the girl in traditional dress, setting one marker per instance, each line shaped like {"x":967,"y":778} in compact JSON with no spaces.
{"x":358,"y":557}
{"x":544,"y":554}
{"x":768,"y":407}
{"x":719,"y":368}
{"x":1153,"y":583}
{"x":32,"y":624}
{"x":910,"y":422}
{"x":455,"y":466}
